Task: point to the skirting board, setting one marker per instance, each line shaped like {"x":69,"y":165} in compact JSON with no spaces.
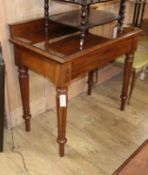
{"x":37,"y":107}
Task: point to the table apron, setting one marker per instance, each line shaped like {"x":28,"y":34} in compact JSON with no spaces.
{"x":100,"y":57}
{"x":38,"y":63}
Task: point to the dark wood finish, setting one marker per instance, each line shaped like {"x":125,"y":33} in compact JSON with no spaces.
{"x":81,"y":19}
{"x":136,"y":164}
{"x":135,"y":13}
{"x":85,"y":18}
{"x":86,"y":2}
{"x":127,"y":71}
{"x":46,"y":16}
{"x":90,"y":81}
{"x":63,"y":60}
{"x":24,"y":86}
{"x":2,"y":83}
{"x":61,"y":116}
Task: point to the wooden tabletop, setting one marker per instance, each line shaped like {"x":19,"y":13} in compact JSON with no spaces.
{"x":60,"y":35}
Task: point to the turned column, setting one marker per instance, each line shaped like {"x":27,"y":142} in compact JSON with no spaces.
{"x":46,"y":22}
{"x":84,"y":18}
{"x":121,"y":15}
{"x":46,"y":17}
{"x":61,"y":99}
{"x":127,"y":73}
{"x":24,"y":87}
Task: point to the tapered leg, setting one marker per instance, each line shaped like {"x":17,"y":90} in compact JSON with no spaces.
{"x":95,"y":81}
{"x":61,"y":116}
{"x":24,"y":87}
{"x":127,"y":73}
{"x":134,"y":77}
{"x":90,"y":82}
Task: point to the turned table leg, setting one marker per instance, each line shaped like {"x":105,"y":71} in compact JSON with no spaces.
{"x":92,"y":79}
{"x":24,"y":87}
{"x":61,"y":117}
{"x":127,"y":73}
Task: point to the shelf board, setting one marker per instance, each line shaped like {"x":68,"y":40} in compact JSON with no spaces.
{"x":73,"y":18}
{"x":86,"y":2}
{"x":61,"y":46}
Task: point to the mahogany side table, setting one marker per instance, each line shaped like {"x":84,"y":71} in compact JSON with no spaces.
{"x":61,"y":60}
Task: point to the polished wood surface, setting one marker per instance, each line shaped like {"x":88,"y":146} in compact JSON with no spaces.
{"x":85,"y":17}
{"x":61,"y":60}
{"x":95,"y":18}
{"x":87,"y":2}
{"x":136,"y":164}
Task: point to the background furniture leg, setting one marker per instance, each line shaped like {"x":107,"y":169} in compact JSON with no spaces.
{"x":127,"y":73}
{"x":61,"y":99}
{"x":90,"y":82}
{"x":135,"y":14}
{"x":24,"y":87}
{"x":138,"y":14}
{"x":134,"y":77}
{"x":142,"y":13}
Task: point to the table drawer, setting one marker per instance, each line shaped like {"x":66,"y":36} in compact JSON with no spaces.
{"x":100,"y":57}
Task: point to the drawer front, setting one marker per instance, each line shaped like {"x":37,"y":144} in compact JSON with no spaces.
{"x":100,"y":57}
